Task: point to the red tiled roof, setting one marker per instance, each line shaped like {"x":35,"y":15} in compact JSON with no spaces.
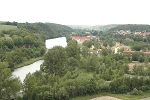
{"x":80,"y":38}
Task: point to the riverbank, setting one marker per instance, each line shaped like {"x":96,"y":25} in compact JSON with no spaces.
{"x":28,"y":62}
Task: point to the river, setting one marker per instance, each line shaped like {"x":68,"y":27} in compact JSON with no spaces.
{"x":23,"y":71}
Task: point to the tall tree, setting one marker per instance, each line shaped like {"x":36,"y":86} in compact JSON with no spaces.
{"x":54,"y":60}
{"x":73,"y":49}
{"x":29,"y":86}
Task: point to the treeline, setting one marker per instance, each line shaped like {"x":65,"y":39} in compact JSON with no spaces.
{"x":10,"y":23}
{"x":131,"y":27}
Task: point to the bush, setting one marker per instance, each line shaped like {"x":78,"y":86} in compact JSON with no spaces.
{"x":136,"y":92}
{"x":145,"y":88}
{"x":62,"y":94}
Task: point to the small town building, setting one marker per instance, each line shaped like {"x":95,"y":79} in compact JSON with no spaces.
{"x":80,"y":39}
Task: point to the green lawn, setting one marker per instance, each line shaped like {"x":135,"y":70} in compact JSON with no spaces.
{"x":119,"y":96}
{"x":7,"y":27}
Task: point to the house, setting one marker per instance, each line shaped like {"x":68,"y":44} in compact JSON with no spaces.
{"x":80,"y":39}
{"x":61,"y":41}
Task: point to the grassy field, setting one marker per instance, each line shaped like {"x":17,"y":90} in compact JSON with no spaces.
{"x":119,"y":96}
{"x":28,"y":62}
{"x":7,"y":27}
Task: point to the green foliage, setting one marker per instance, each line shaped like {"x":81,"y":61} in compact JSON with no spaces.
{"x":88,"y":43}
{"x":29,"y":85}
{"x":10,"y":23}
{"x":136,"y":92}
{"x":9,"y":85}
{"x":54,"y":60}
{"x":73,"y":49}
{"x":84,"y":52}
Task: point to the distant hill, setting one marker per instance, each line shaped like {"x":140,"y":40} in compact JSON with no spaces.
{"x":48,"y":30}
{"x":131,"y":27}
{"x":97,"y":27}
{"x":80,"y":27}
{"x":105,"y":27}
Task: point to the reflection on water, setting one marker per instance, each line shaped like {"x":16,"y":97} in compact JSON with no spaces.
{"x":21,"y":72}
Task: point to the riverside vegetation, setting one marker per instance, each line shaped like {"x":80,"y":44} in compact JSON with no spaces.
{"x":72,"y":71}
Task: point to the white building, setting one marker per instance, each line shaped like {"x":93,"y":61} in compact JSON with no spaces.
{"x":61,"y":41}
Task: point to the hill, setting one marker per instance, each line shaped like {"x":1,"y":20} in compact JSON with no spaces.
{"x":48,"y":30}
{"x":97,"y":27}
{"x":82,"y":27}
{"x":131,"y":27}
{"x":105,"y":27}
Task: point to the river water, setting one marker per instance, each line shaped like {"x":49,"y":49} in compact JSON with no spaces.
{"x":23,"y":71}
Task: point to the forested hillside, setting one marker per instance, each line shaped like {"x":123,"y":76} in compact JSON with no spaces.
{"x":46,"y":30}
{"x":26,"y":40}
{"x":131,"y":27}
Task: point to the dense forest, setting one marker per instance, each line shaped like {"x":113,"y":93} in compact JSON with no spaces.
{"x":72,"y":71}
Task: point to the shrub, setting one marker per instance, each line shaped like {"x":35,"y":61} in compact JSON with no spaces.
{"x":136,"y":92}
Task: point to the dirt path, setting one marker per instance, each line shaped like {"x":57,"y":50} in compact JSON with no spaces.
{"x":105,"y":98}
{"x":146,"y":98}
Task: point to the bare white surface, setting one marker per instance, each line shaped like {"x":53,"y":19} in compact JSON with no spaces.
{"x":61,"y":41}
{"x":21,"y":72}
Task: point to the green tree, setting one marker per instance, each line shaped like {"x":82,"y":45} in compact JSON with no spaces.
{"x":87,"y":43}
{"x":105,"y":44}
{"x":85,"y":52}
{"x":18,"y":40}
{"x":29,"y":86}
{"x":28,"y":40}
{"x":73,"y":49}
{"x":9,"y":85}
{"x":9,"y":43}
{"x":55,"y":60}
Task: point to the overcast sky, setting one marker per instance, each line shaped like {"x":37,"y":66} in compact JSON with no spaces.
{"x":76,"y":12}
